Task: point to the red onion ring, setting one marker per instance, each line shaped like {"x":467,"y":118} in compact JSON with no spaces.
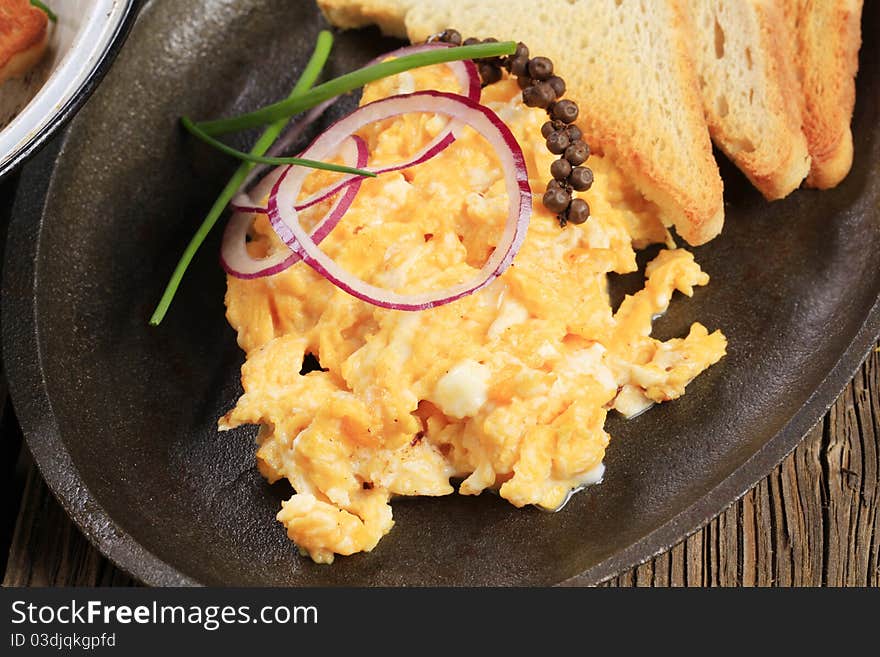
{"x":234,"y":257}
{"x":435,"y":147}
{"x":285,"y":220}
{"x":468,"y":77}
{"x":243,"y":200}
{"x":467,"y":74}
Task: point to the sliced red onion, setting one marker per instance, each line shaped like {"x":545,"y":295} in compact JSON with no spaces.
{"x":435,"y":147}
{"x":234,"y":256}
{"x":238,"y":208}
{"x":243,"y":201}
{"x":465,"y":70}
{"x":464,"y":111}
{"x":468,"y":77}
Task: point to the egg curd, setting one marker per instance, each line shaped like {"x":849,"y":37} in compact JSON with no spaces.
{"x":505,"y":389}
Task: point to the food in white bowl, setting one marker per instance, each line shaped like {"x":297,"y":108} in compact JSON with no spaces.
{"x":52,"y":73}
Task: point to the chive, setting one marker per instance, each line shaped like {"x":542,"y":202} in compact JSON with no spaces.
{"x":307,"y":79}
{"x":259,"y":159}
{"x":352,"y":81}
{"x":51,"y":14}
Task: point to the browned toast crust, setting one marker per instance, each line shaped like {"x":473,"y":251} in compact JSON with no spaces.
{"x":827,"y":38}
{"x":666,"y":152}
{"x":750,"y":91}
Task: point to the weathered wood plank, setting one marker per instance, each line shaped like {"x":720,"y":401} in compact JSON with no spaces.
{"x":813,"y":521}
{"x":677,"y":566}
{"x":49,"y":550}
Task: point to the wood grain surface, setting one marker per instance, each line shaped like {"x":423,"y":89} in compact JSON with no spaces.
{"x":814,"y":521}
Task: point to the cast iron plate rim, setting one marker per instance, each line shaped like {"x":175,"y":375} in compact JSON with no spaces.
{"x":127,"y":554}
{"x":21,"y":341}
{"x":34,"y":412}
{"x":78,"y":99}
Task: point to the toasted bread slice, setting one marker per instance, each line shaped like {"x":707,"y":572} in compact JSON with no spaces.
{"x":23,"y":37}
{"x":750,"y":90}
{"x":827,"y":39}
{"x":628,"y":65}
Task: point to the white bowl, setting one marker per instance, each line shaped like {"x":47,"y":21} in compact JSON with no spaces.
{"x":82,"y":44}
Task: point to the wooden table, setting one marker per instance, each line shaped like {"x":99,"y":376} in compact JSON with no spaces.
{"x":815,"y":520}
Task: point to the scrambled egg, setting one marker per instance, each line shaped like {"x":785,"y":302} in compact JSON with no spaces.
{"x":505,"y":389}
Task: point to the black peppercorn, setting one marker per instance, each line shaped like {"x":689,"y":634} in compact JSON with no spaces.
{"x":489,"y":74}
{"x":470,"y":41}
{"x":581,"y":178}
{"x":524,"y":82}
{"x":558,"y":85}
{"x":540,"y":68}
{"x":578,"y":211}
{"x":547,"y":128}
{"x":451,"y":36}
{"x":555,"y":184}
{"x":557,"y":142}
{"x":522,"y":50}
{"x":540,"y":94}
{"x":577,"y":153}
{"x":574,"y":133}
{"x":565,"y":111}
{"x":556,"y":200}
{"x":560,"y":169}
{"x":519,"y":66}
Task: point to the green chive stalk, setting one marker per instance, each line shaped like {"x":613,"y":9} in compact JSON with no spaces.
{"x":309,"y":75}
{"x":49,"y":13}
{"x":260,"y":159}
{"x":351,"y":81}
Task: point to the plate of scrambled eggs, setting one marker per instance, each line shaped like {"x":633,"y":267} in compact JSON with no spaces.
{"x":607,"y":394}
{"x":506,"y":390}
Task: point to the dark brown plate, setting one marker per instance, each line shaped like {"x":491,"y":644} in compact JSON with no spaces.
{"x":122,"y":418}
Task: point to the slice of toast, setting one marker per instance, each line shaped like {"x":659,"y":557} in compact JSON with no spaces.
{"x":23,"y":37}
{"x":628,"y":65}
{"x":827,"y":40}
{"x":750,"y":90}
